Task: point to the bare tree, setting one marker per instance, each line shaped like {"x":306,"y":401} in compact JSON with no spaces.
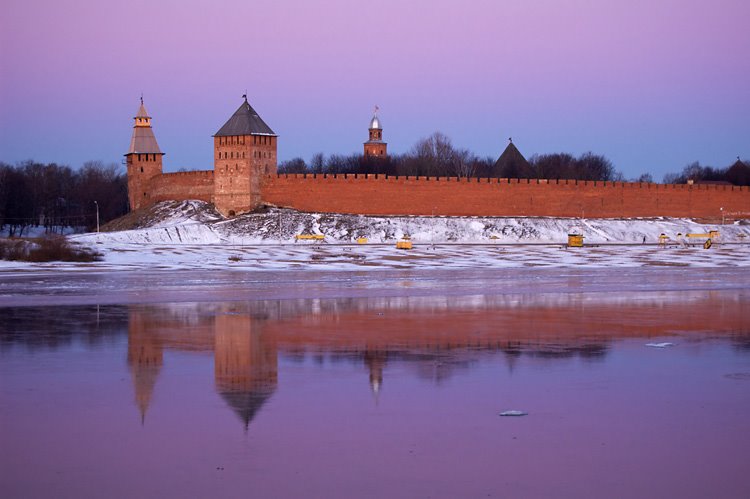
{"x":645,"y":178}
{"x":465,"y":164}
{"x":317,"y":163}
{"x":294,"y":165}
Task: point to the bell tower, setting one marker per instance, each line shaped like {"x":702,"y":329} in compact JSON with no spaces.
{"x":143,"y":159}
{"x":375,"y":147}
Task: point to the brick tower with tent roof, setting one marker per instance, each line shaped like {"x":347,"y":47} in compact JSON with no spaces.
{"x":143,"y":160}
{"x":244,"y":153}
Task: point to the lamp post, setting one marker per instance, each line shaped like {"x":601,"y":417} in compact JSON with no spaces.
{"x":434,"y":226}
{"x":97,"y":215}
{"x":722,"y":215}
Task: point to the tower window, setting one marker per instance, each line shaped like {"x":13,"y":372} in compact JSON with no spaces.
{"x":141,"y":169}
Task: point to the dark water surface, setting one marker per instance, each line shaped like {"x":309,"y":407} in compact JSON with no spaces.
{"x":380,"y":397}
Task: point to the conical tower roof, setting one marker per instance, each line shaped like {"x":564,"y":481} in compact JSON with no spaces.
{"x":739,"y":173}
{"x":244,"y":121}
{"x":739,"y":164}
{"x":511,"y":157}
{"x":246,"y":404}
{"x":142,"y":111}
{"x":143,"y":140}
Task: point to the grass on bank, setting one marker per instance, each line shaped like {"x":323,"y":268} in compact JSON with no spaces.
{"x":46,"y":249}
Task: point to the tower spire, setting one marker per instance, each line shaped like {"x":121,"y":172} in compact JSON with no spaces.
{"x":375,"y":147}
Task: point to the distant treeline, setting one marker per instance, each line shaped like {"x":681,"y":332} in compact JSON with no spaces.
{"x":435,"y":156}
{"x":54,"y":196}
{"x":737,"y":174}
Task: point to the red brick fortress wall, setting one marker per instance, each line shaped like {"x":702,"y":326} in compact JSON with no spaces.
{"x":450,"y":196}
{"x":180,"y":186}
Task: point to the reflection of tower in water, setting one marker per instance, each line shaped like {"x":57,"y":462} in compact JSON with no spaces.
{"x":375,"y":361}
{"x":145,"y":359}
{"x":245,"y":363}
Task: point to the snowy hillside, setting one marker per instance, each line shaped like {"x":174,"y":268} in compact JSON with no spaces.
{"x":191,"y":235}
{"x":194,"y":222}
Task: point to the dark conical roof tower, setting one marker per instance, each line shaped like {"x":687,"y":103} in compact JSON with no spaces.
{"x":739,"y":173}
{"x":511,"y":160}
{"x":244,"y":121}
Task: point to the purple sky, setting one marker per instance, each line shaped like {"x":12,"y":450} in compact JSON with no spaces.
{"x":653,"y":85}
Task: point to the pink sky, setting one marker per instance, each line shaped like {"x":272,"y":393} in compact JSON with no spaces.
{"x":653,"y":85}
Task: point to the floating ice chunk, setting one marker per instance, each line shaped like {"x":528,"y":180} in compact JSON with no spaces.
{"x":660,"y":345}
{"x":514,"y":413}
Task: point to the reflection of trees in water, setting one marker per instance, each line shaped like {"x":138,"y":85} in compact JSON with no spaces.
{"x":554,"y":350}
{"x":55,"y":327}
{"x":439,"y":364}
{"x":741,"y":342}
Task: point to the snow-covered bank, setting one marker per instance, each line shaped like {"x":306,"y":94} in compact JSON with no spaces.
{"x":190,"y":236}
{"x":193,"y":222}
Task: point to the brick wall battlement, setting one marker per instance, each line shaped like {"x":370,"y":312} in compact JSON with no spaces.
{"x":372,"y":194}
{"x":193,"y":173}
{"x":378,"y":194}
{"x":493,"y":180}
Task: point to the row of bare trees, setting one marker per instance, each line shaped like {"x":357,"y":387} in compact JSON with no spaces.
{"x":435,"y":156}
{"x":737,"y":174}
{"x":55,"y":196}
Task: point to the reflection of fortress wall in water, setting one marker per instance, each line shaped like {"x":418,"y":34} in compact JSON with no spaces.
{"x":246,"y":338}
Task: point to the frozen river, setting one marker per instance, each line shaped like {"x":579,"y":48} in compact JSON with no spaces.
{"x":379,"y":383}
{"x":103,"y":286}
